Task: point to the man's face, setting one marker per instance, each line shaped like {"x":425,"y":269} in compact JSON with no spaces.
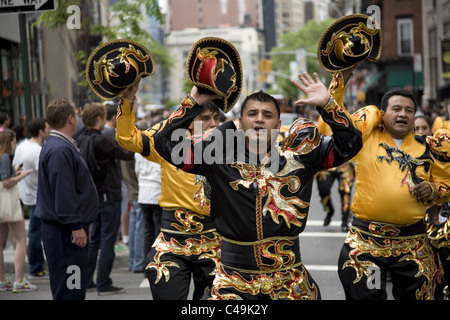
{"x":208,"y":120}
{"x":398,"y":118}
{"x":259,"y":120}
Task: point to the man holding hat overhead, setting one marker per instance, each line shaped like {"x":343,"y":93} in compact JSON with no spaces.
{"x":187,"y":244}
{"x":259,"y":199}
{"x":398,"y":175}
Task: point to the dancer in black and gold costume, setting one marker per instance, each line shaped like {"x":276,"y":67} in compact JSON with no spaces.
{"x":398,"y":175}
{"x":188,"y":243}
{"x":260,"y":207}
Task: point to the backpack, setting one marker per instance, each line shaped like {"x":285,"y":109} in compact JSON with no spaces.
{"x":98,"y":169}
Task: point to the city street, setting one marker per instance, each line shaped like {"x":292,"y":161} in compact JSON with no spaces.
{"x":320,"y":247}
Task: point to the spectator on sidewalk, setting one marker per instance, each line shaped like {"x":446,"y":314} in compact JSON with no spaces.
{"x":66,"y":204}
{"x":27,"y":156}
{"x":11,"y":215}
{"x":101,"y":153}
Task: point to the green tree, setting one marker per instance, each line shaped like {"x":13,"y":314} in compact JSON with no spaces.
{"x":126,"y":17}
{"x":306,"y":38}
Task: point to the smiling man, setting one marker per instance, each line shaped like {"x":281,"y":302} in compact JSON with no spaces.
{"x":398,"y":175}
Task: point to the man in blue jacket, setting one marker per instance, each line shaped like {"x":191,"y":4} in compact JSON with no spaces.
{"x":67,"y":203}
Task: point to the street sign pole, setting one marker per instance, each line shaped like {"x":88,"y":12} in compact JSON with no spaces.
{"x":25,"y":66}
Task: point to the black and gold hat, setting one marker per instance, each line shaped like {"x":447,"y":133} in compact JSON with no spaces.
{"x":117,"y":65}
{"x":214,"y":66}
{"x":348,"y":41}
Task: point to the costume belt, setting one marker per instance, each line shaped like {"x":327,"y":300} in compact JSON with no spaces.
{"x":387,"y":230}
{"x":263,"y":256}
{"x":185,"y":222}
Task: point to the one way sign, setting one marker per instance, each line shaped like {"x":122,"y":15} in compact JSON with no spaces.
{"x":20,"y":6}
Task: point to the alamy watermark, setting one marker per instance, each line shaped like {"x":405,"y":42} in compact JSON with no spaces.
{"x":374,"y":278}
{"x":214,"y":147}
{"x":74,"y":280}
{"x":74,"y":20}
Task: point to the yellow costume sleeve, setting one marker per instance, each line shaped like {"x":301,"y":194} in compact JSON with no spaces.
{"x":365,"y":119}
{"x":131,"y":138}
{"x":440,"y":175}
{"x":178,"y":188}
{"x":440,"y":123}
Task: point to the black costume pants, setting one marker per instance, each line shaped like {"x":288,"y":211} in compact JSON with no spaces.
{"x":368,"y":254}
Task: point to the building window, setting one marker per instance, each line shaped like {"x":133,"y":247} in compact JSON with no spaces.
{"x":405,"y":36}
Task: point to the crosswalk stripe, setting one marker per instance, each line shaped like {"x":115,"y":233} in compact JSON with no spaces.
{"x":323,"y":234}
{"x":316,"y":223}
{"x":321,"y":268}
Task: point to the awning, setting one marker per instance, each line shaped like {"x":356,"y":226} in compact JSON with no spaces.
{"x":404,"y":78}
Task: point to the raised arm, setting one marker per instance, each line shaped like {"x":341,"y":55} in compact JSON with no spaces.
{"x":346,"y":140}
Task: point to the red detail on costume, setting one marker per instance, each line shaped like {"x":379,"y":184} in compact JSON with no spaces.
{"x":188,"y":160}
{"x":206,"y":73}
{"x":329,"y":160}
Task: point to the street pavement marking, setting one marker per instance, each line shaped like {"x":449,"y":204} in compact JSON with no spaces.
{"x":321,"y":268}
{"x":324,"y":234}
{"x":144,"y":284}
{"x":320,"y":223}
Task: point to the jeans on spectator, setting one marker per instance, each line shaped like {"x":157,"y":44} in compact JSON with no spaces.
{"x":103,"y":237}
{"x":136,"y":243}
{"x":35,"y":253}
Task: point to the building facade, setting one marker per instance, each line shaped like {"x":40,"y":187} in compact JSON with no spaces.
{"x":436,"y":54}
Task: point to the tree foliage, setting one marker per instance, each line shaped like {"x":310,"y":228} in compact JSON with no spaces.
{"x":306,"y":38}
{"x":124,"y":21}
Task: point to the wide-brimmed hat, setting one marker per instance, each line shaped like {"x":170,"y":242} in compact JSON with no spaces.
{"x":117,"y":65}
{"x":348,"y":41}
{"x":214,"y":66}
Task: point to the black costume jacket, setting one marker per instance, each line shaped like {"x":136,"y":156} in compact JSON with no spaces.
{"x":265,"y":201}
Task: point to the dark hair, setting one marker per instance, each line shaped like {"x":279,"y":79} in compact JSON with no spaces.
{"x":261,"y":96}
{"x":425,"y":118}
{"x":35,"y":125}
{"x":58,"y":112}
{"x":3,"y":117}
{"x":211,"y":106}
{"x":397,"y":92}
{"x":111,"y":112}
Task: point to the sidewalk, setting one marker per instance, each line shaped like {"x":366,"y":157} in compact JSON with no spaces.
{"x":121,"y":260}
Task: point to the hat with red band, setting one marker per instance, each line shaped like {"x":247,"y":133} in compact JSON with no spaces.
{"x":214,"y":66}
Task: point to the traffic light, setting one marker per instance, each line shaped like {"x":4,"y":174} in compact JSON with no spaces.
{"x":265,"y":66}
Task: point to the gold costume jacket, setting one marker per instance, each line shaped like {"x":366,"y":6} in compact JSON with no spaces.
{"x":385,"y":174}
{"x":178,"y":188}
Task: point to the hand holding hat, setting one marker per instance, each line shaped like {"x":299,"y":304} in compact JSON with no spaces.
{"x":202,"y":98}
